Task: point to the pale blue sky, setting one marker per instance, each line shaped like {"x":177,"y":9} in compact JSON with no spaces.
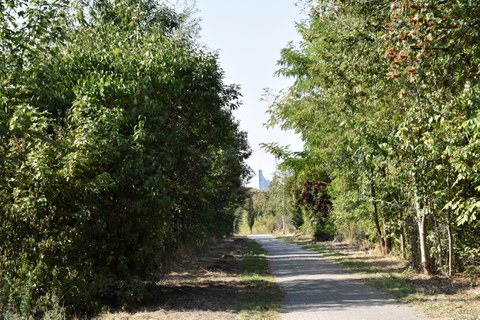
{"x":249,"y":35}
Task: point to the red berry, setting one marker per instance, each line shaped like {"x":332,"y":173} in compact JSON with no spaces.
{"x":393,"y":75}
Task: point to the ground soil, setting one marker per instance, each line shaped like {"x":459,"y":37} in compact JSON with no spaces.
{"x":206,"y":285}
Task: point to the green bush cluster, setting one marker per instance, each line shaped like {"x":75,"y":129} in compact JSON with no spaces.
{"x":117,"y":147}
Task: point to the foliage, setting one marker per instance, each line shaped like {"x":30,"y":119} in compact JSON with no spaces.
{"x":270,"y":210}
{"x":386,"y":101}
{"x":118,"y":146}
{"x":316,"y":204}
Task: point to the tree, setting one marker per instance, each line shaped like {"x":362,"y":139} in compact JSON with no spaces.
{"x":251,"y":215}
{"x":385,"y":99}
{"x":118,"y":147}
{"x":435,"y":57}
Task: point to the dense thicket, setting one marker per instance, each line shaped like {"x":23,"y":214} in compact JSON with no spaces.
{"x":117,"y":147}
{"x":267,"y":211}
{"x":386,"y":98}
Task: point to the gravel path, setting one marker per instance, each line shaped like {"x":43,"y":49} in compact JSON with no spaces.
{"x":318,"y":289}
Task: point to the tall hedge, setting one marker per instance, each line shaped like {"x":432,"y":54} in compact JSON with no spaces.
{"x":118,"y":146}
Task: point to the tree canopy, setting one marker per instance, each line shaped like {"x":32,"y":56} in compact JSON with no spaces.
{"x":386,"y":100}
{"x":118,"y":147}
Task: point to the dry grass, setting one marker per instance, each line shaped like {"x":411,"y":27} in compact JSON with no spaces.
{"x":456,"y":298}
{"x":207,"y":285}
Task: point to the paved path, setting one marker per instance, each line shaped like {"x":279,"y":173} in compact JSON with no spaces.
{"x":318,"y":289}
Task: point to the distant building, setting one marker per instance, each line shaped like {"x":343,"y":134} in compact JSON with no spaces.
{"x":262,"y":182}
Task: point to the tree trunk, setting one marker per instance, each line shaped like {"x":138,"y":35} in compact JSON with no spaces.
{"x":403,"y":247}
{"x":376,"y":221}
{"x":423,"y":246}
{"x":283,"y":209}
{"x":387,"y":233}
{"x":450,"y":242}
{"x":449,"y":230}
{"x":422,"y":234}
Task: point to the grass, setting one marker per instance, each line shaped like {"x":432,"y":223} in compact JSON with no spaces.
{"x":228,"y":279}
{"x":261,"y":300}
{"x":438,"y":297}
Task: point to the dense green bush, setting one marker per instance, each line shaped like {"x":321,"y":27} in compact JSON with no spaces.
{"x":118,"y":146}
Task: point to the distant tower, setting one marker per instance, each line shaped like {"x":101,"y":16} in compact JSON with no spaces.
{"x":262,"y":182}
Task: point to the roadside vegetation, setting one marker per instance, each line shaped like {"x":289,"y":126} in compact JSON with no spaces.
{"x":386,"y":98}
{"x":440,"y":297}
{"x":264,"y":299}
{"x":228,"y":279}
{"x":118,"y":150}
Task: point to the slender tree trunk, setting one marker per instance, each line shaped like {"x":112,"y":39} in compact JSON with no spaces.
{"x":402,"y":243}
{"x":450,"y":242}
{"x":423,"y":246}
{"x":449,"y":230}
{"x":283,"y":209}
{"x":420,"y":213}
{"x":376,"y":221}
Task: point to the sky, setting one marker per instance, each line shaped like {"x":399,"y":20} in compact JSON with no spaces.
{"x":249,"y":35}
